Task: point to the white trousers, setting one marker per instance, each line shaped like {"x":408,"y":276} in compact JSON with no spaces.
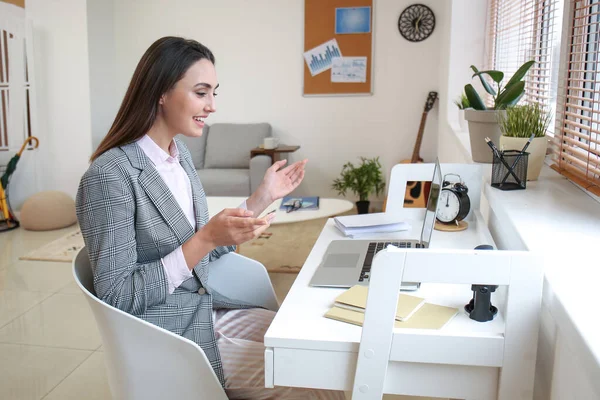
{"x":240,"y":337}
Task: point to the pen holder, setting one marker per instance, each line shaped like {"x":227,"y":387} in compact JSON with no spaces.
{"x":509,"y":170}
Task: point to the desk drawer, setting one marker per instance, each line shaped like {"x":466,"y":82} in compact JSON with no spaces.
{"x":319,"y":369}
{"x":335,"y":370}
{"x":481,"y":351}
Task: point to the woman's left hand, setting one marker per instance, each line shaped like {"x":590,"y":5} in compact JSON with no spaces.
{"x":278,"y":182}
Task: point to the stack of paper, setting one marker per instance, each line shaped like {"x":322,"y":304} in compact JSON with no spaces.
{"x":412,"y":312}
{"x":362,"y":224}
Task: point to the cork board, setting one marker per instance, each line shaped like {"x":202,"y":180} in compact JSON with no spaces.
{"x":18,"y":3}
{"x":322,"y":18}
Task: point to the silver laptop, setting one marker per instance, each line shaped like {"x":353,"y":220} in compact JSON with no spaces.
{"x":348,"y":262}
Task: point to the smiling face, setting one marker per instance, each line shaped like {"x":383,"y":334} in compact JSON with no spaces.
{"x":185,"y":108}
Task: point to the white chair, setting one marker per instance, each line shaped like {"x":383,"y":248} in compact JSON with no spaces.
{"x":144,"y":361}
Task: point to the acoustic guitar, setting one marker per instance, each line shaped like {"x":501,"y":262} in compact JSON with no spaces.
{"x":417,"y":192}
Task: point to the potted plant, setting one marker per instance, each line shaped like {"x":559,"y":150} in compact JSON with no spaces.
{"x":362,"y":180}
{"x":483,"y":121}
{"x":462,"y":102}
{"x":517,"y":126}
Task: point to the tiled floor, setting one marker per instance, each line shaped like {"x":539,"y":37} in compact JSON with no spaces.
{"x":49,"y":343}
{"x":50,"y":347}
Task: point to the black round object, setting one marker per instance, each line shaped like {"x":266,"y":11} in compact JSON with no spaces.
{"x":471,"y":306}
{"x":416,"y":23}
{"x":457,"y":209}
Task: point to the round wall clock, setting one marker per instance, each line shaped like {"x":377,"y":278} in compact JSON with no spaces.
{"x":416,"y":23}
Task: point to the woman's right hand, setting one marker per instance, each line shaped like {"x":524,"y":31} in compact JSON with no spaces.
{"x":234,"y":226}
{"x":231,"y":226}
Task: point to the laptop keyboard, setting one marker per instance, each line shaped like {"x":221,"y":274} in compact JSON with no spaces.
{"x":376,"y":247}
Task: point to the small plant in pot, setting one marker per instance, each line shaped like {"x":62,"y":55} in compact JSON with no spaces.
{"x":517,"y":126}
{"x":363,"y":180}
{"x":462,"y":103}
{"x":483,"y":121}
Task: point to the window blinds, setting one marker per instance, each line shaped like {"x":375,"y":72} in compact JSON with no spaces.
{"x":524,"y":30}
{"x":576,"y":147}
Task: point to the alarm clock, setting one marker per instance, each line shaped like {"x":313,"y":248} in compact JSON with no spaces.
{"x":454,"y":203}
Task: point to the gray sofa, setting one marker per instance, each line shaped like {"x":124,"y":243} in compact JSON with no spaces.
{"x":222,"y":158}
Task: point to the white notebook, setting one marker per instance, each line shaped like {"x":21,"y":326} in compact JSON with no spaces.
{"x":356,"y":225}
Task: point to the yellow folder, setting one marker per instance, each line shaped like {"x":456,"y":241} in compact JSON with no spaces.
{"x":355,"y":299}
{"x":429,"y":316}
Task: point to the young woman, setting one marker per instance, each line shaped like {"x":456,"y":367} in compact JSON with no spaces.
{"x":144,"y":219}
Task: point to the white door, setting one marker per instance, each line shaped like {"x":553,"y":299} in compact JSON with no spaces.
{"x":17,"y":105}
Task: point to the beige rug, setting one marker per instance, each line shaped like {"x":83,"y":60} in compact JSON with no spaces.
{"x":282,"y":248}
{"x":62,"y":249}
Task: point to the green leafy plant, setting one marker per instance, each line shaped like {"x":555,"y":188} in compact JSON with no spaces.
{"x":462,"y":102}
{"x":362,"y":180}
{"x":504,"y":97}
{"x":522,"y":121}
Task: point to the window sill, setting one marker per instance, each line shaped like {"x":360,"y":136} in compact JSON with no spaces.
{"x":557,"y":218}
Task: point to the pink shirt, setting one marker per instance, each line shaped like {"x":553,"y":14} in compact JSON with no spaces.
{"x":178,"y":182}
{"x":176,"y":179}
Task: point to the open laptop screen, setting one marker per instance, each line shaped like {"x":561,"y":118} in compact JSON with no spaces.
{"x":432,"y":202}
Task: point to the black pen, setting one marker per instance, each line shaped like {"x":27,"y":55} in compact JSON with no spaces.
{"x":492,"y":146}
{"x":528,"y":143}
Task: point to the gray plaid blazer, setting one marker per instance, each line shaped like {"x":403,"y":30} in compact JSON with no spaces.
{"x":129,"y":220}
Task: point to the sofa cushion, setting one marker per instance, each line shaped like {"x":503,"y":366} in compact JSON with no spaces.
{"x":225,"y":182}
{"x":229,"y":145}
{"x":196,"y":146}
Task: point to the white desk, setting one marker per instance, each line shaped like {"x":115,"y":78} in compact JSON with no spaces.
{"x":300,"y":325}
{"x":304,"y":349}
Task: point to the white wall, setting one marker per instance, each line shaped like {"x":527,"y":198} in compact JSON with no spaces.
{"x":63,"y":93}
{"x":258,"y":46}
{"x":465,"y":47}
{"x":101,"y":45}
{"x":467,"y":35}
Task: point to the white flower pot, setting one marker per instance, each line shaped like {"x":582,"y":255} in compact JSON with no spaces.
{"x":483,"y":124}
{"x":536,"y":150}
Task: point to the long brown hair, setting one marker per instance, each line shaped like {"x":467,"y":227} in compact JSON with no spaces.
{"x":162,"y":65}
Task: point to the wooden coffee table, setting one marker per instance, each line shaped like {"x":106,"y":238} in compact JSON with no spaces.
{"x":273,"y":153}
{"x":327,"y":208}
